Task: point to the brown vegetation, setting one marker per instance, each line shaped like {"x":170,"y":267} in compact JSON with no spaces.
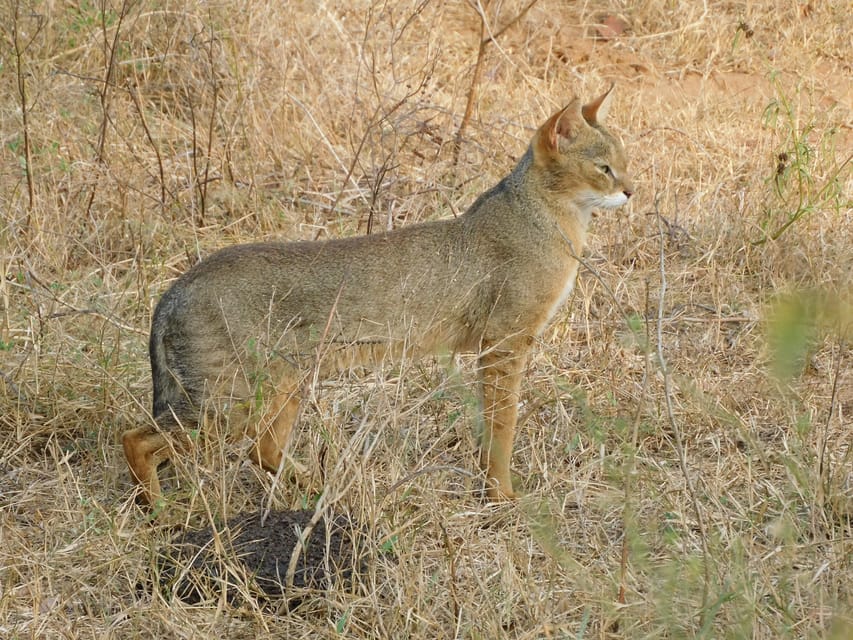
{"x":686,"y":444}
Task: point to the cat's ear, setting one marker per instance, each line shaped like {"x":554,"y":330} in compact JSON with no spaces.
{"x":563,"y":124}
{"x":596,"y":111}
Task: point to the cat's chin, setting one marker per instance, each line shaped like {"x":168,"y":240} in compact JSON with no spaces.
{"x":610,"y":201}
{"x":614,"y":200}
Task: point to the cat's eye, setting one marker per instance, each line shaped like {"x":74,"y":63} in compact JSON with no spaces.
{"x":605,"y":169}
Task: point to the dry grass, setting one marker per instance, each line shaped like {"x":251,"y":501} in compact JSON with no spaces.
{"x":675,"y":486}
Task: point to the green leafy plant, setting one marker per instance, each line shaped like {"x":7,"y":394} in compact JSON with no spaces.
{"x":806,"y":177}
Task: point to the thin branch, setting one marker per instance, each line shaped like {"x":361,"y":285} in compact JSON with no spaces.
{"x":824,"y":471}
{"x":485,"y":41}
{"x":472,"y":91}
{"x":194,"y":160}
{"x":210,"y":126}
{"x":512,"y":22}
{"x":110,"y":51}
{"x":47,"y":292}
{"x":329,"y":145}
{"x":134,"y":94}
{"x":676,"y":429}
{"x":632,"y":462}
{"x":20,"y":49}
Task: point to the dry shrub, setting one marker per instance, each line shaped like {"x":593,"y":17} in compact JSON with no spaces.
{"x":676,"y":486}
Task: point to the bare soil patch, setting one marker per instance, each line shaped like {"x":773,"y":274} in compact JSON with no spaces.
{"x":257,"y":548}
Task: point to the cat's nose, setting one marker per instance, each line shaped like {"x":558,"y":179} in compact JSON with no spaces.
{"x":628,"y":193}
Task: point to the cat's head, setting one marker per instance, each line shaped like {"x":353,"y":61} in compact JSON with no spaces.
{"x":579,"y":159}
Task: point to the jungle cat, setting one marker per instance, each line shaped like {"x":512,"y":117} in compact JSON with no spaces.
{"x":486,"y":282}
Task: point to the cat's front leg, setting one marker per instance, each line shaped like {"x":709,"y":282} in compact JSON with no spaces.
{"x":501,"y":371}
